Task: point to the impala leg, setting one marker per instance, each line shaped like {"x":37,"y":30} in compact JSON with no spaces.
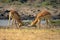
{"x":50,"y":24}
{"x":15,"y":23}
{"x":38,"y":23}
{"x":9,"y":18}
{"x":12,"y":21}
{"x":47,"y":24}
{"x":34,"y":22}
{"x":9,"y":21}
{"x":18,"y":24}
{"x":48,"y":20}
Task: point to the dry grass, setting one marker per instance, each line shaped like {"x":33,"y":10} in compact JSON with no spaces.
{"x":29,"y":34}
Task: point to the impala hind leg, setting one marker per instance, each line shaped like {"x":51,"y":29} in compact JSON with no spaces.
{"x":48,"y":21}
{"x":18,"y":25}
{"x":14,"y":22}
{"x":50,"y":24}
{"x":39,"y":23}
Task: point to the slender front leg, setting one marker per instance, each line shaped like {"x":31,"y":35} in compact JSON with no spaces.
{"x":34,"y":22}
{"x":38,"y":23}
{"x":9,"y":19}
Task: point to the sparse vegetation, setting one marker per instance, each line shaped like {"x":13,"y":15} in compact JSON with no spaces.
{"x":45,"y":3}
{"x":56,"y":22}
{"x":29,"y":34}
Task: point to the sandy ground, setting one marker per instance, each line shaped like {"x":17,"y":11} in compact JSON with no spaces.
{"x":29,"y":34}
